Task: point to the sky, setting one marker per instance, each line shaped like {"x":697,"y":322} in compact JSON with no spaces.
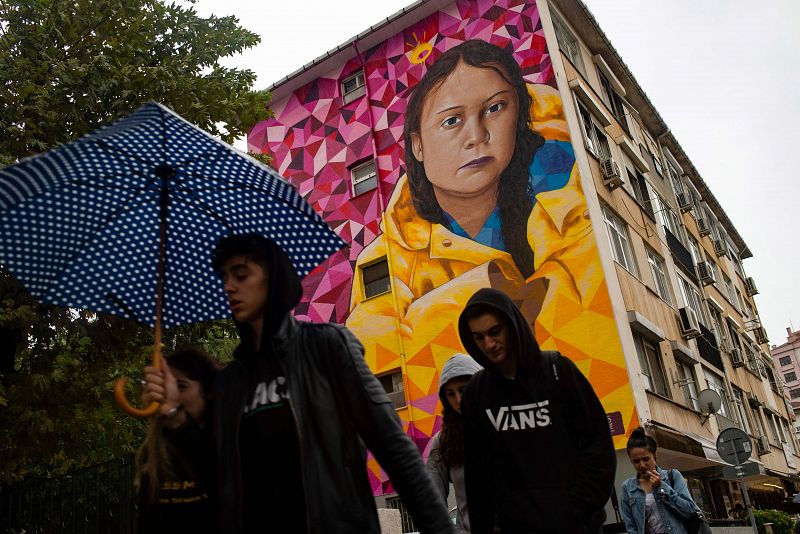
{"x":724,"y":76}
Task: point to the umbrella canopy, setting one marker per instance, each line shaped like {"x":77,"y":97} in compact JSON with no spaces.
{"x":81,"y":225}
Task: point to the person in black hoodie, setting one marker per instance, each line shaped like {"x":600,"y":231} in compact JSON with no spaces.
{"x":175,"y":466}
{"x":295,"y":409}
{"x":539,"y":456}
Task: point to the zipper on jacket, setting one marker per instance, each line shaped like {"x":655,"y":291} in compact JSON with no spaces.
{"x":297,"y":431}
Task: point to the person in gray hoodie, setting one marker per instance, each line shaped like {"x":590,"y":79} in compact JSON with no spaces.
{"x":446,"y":459}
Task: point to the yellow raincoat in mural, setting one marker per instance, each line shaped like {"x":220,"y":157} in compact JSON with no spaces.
{"x":434,"y":272}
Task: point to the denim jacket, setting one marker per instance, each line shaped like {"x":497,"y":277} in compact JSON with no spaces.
{"x":675,"y":504}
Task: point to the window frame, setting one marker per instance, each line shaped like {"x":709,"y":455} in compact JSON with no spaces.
{"x":568,"y":43}
{"x":371,"y":177}
{"x":594,"y":136}
{"x":658,"y":269}
{"x":653,"y":379}
{"x":396,"y":377}
{"x":365,"y":285}
{"x":356,"y":92}
{"x":612,"y":220}
{"x":689,"y":389}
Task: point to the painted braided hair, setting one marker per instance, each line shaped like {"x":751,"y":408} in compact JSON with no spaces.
{"x":514,"y":196}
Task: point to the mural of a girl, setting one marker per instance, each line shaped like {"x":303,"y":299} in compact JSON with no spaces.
{"x":492,"y":198}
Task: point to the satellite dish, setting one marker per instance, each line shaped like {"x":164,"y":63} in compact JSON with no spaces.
{"x":709,"y":401}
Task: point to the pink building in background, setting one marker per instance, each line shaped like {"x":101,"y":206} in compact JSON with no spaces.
{"x":787,"y":363}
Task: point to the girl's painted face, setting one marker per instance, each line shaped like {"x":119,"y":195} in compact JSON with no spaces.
{"x":454,"y":390}
{"x":190,"y":393}
{"x":467,"y":132}
{"x":642,"y":459}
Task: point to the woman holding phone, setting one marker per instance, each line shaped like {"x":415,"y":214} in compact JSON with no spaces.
{"x":655,"y":501}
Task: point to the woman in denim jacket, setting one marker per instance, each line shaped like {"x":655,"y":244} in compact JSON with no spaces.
{"x":651,"y":502}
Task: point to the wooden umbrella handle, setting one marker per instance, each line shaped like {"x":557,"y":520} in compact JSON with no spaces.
{"x":119,"y":388}
{"x":165,"y":173}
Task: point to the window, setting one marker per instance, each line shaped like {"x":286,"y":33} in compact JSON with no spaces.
{"x":657,"y":164}
{"x":795,"y":393}
{"x":719,"y":331}
{"x":729,"y":288}
{"x":714,"y":382}
{"x":773,"y":431}
{"x":741,"y":411}
{"x":393,"y":384}
{"x":667,"y":217}
{"x":364,"y":178}
{"x":593,"y":133}
{"x":641,"y":192}
{"x":353,"y":87}
{"x":688,"y":384}
{"x":613,"y":100}
{"x":785,"y":360}
{"x":739,"y":300}
{"x":376,"y":278}
{"x":675,"y":177}
{"x":692,"y":298}
{"x":652,"y":369}
{"x":618,"y":239}
{"x":567,"y":43}
{"x":659,"y":272}
{"x":694,"y":248}
{"x":790,"y":377}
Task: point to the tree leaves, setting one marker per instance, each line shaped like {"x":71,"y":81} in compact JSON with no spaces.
{"x":68,"y":67}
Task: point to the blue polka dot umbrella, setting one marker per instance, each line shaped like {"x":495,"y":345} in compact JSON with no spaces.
{"x":123,"y":221}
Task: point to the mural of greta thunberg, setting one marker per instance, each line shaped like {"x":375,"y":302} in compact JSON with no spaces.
{"x":492,"y":198}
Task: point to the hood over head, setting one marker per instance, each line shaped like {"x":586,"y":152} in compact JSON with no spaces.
{"x":525,"y":347}
{"x":458,"y":365}
{"x":284,"y":289}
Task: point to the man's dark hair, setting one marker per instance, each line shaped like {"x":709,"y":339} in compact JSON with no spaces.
{"x":514,"y":194}
{"x":476,"y":310}
{"x":640,"y":440}
{"x":252,"y":246}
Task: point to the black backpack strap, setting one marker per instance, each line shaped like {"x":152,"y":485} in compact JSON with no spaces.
{"x":551,"y":369}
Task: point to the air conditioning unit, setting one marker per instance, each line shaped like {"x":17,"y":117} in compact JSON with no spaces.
{"x":690,"y":327}
{"x":761,"y":335}
{"x":720,"y":247}
{"x":684,"y":202}
{"x":611,"y":175}
{"x":704,"y":273}
{"x":736,"y":357}
{"x":703,"y":226}
{"x":750,"y":286}
{"x":762,"y":445}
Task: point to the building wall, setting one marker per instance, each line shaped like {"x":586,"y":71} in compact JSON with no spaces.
{"x":665,"y":209}
{"x":317,"y":140}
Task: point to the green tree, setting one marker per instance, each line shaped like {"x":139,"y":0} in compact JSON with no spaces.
{"x":68,"y":67}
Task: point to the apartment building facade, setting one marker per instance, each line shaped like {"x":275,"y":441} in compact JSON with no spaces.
{"x":786,"y":358}
{"x":637,"y":270}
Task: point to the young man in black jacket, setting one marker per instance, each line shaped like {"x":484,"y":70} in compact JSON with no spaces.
{"x":295,"y":408}
{"x":539,"y":456}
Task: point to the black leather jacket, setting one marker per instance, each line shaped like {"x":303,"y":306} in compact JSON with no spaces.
{"x":337,"y":402}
